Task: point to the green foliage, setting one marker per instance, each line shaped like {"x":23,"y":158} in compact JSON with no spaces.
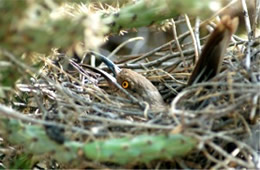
{"x":7,"y":76}
{"x":147,"y":12}
{"x":143,"y":148}
{"x":28,"y":27}
{"x":23,"y":161}
{"x":34,"y":140}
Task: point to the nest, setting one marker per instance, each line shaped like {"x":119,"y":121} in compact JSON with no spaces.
{"x":222,"y":114}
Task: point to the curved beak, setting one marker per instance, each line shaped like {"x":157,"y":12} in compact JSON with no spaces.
{"x":107,"y":76}
{"x":114,"y":68}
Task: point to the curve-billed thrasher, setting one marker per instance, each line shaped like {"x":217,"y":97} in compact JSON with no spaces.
{"x":208,"y":65}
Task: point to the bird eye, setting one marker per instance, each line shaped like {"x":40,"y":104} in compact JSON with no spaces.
{"x":125,"y":84}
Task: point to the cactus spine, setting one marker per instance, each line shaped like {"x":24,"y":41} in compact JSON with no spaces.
{"x":142,"y":148}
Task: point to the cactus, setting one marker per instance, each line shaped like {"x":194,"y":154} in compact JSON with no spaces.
{"x":32,"y":26}
{"x":34,"y":140}
{"x":22,"y":161}
{"x":147,"y":12}
{"x":142,"y":148}
{"x":28,"y":26}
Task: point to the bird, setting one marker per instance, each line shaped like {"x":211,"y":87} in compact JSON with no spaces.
{"x":133,"y":82}
{"x":208,"y":66}
{"x":140,"y":87}
{"x":210,"y":60}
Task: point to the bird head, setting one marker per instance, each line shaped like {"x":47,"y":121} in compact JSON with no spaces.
{"x":208,"y":66}
{"x":135,"y":83}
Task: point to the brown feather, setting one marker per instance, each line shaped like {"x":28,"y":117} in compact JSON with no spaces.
{"x":210,"y":61}
{"x":141,"y":87}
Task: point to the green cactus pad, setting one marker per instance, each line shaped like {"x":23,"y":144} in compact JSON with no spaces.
{"x":34,"y":140}
{"x":142,"y":148}
{"x":147,"y":12}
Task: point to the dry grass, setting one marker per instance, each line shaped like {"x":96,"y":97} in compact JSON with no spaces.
{"x":223,"y":113}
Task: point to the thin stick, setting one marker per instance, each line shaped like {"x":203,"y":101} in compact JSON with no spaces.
{"x":10,"y":113}
{"x":229,"y":157}
{"x":254,"y":107}
{"x":257,"y":15}
{"x":158,"y":61}
{"x":123,"y":44}
{"x":193,"y":38}
{"x":249,"y":33}
{"x":197,"y":34}
{"x":126,"y":122}
{"x":175,"y":35}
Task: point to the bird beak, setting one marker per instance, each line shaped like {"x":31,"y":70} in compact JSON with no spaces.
{"x":107,"y":76}
{"x":114,"y":68}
